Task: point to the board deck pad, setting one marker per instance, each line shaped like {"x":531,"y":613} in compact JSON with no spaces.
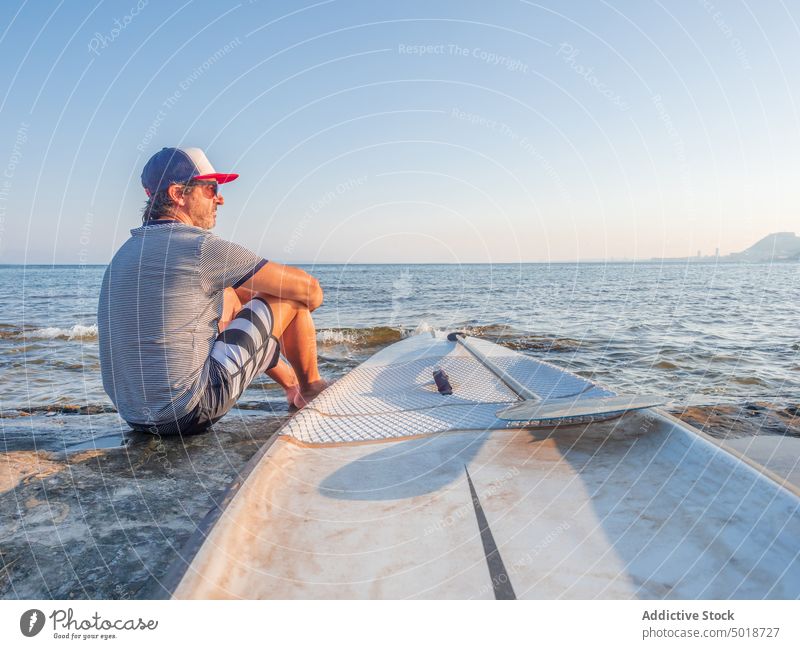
{"x":394,"y":394}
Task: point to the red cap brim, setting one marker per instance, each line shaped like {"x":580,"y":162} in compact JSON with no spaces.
{"x":220,"y":178}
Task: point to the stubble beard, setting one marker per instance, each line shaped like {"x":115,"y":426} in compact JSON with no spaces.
{"x":208,"y":220}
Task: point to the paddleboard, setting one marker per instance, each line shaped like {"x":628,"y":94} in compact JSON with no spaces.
{"x":385,"y":488}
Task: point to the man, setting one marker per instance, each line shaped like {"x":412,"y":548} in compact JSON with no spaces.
{"x":187,"y":320}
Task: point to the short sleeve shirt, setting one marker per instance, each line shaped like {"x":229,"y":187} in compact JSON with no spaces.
{"x":160,"y":304}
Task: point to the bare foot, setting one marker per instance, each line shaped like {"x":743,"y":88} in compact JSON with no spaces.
{"x":292,"y":393}
{"x":309,"y":392}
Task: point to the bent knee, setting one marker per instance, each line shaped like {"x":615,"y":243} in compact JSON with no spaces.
{"x":278,"y":302}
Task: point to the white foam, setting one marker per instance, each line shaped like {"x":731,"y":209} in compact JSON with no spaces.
{"x":337,"y":337}
{"x":423,"y":328}
{"x":75,"y":332}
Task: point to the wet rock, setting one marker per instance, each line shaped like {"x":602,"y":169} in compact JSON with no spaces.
{"x":9,"y":414}
{"x":105,"y":523}
{"x":730,"y":422}
{"x":61,"y":409}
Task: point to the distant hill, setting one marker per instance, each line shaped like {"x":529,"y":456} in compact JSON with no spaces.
{"x":779,"y":246}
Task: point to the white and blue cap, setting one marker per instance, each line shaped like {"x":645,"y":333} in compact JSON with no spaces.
{"x":179,"y":166}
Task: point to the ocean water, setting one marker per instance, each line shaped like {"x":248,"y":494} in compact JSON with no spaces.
{"x":699,"y":333}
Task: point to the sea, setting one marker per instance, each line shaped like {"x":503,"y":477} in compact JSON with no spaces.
{"x":699,"y":333}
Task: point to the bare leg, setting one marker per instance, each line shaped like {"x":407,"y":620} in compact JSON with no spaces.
{"x":295,"y":327}
{"x":299,"y":341}
{"x":284,"y":376}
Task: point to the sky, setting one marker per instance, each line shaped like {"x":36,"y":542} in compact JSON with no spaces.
{"x":413,"y":132}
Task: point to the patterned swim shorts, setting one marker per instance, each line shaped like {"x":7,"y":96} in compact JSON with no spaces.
{"x":242,"y":351}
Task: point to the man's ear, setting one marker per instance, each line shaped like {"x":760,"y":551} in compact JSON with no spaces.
{"x":175,"y":192}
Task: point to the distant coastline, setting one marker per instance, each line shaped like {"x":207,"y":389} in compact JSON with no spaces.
{"x":673,"y":261}
{"x":777,"y":247}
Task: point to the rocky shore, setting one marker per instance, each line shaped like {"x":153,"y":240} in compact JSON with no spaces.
{"x":107,"y":522}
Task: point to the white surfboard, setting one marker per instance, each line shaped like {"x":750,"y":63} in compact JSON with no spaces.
{"x":385,"y":488}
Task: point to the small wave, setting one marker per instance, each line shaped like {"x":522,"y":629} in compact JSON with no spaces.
{"x":517,"y":340}
{"x":367,"y":337}
{"x":748,"y":380}
{"x":75,"y":332}
{"x":337,"y":336}
{"x":422,"y":328}
{"x":543,"y":343}
{"x":9,"y":331}
{"x":724,"y":358}
{"x":665,"y":365}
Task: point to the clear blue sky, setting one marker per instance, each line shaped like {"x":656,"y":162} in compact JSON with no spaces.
{"x":407,"y":132}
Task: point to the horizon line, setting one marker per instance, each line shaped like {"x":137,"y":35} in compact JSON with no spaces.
{"x":651,"y":260}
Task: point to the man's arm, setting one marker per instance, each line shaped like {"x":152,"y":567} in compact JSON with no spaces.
{"x":286,"y":282}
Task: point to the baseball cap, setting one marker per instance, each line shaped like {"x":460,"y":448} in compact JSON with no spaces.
{"x":173,"y":165}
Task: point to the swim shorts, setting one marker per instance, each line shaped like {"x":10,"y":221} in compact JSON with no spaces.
{"x":242,"y":351}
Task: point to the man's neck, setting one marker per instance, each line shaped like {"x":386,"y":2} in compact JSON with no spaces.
{"x":182,"y":217}
{"x":175,"y":218}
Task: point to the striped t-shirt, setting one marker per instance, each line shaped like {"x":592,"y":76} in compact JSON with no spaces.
{"x":160,"y":302}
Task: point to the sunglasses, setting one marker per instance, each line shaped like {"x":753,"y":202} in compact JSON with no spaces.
{"x":212,"y":184}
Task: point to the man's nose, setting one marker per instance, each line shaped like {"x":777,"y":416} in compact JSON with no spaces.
{"x":220,"y":199}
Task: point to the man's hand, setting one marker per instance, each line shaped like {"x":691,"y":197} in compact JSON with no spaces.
{"x":286,"y":282}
